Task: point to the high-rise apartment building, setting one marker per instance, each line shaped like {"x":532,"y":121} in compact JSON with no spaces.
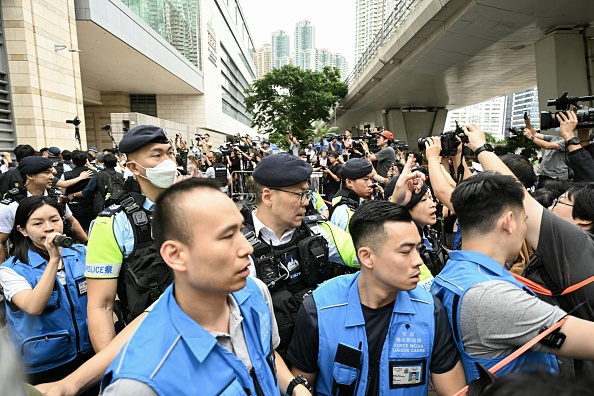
{"x":520,"y":102}
{"x":370,"y":16}
{"x":339,"y":60}
{"x":263,"y":60}
{"x":490,"y":115}
{"x":305,"y":52}
{"x":326,"y":58}
{"x":280,"y":49}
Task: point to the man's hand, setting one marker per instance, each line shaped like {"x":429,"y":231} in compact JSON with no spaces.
{"x":58,"y":388}
{"x":527,"y":133}
{"x":433,"y":148}
{"x":567,"y":122}
{"x":407,"y":183}
{"x":476,"y":136}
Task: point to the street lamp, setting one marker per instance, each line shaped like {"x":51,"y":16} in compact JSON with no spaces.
{"x":336,"y":111}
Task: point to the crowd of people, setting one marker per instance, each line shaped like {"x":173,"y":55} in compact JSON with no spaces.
{"x":133,"y":271}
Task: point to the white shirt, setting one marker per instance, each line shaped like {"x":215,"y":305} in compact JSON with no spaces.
{"x":7,"y":213}
{"x":268,"y":236}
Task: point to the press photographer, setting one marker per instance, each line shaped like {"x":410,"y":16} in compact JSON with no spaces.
{"x":385,"y":156}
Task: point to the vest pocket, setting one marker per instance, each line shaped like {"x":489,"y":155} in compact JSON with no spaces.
{"x":233,"y":388}
{"x":44,"y":349}
{"x":343,"y":374}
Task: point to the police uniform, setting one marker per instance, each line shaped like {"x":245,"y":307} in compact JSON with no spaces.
{"x":336,"y":337}
{"x":59,"y":335}
{"x":28,"y":166}
{"x":346,"y":201}
{"x":121,"y":233}
{"x":174,"y":355}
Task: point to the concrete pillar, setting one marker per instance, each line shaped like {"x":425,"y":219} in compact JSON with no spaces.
{"x":560,"y":66}
{"x":411,"y":125}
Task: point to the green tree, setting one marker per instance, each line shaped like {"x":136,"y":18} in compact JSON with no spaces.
{"x":517,"y":142}
{"x":291,"y":99}
{"x":318,"y":130}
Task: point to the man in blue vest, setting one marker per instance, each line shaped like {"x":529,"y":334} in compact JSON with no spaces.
{"x":367,"y":333}
{"x":490,"y":312}
{"x":213,"y":331}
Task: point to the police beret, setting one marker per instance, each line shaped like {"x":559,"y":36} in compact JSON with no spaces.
{"x":54,"y":151}
{"x":414,"y":199}
{"x":137,"y":137}
{"x":34,"y":164}
{"x":93,"y":149}
{"x":281,"y":170}
{"x":356,"y":168}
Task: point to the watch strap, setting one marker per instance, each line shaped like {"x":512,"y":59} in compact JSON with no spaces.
{"x":298,"y":380}
{"x":482,"y":148}
{"x":573,"y":141}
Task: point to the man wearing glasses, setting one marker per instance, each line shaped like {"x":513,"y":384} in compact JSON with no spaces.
{"x":293,"y":252}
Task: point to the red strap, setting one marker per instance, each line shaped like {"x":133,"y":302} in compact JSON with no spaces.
{"x":519,"y":351}
{"x":539,"y":289}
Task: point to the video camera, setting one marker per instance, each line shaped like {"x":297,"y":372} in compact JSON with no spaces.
{"x":449,"y":143}
{"x":75,"y":121}
{"x":198,"y":136}
{"x":400,"y":145}
{"x":585,"y":116}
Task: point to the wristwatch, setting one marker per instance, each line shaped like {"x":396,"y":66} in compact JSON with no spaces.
{"x":298,"y":380}
{"x":573,"y":141}
{"x":486,"y":146}
{"x":531,"y":138}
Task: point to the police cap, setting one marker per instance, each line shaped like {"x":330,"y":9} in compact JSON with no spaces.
{"x":55,"y":151}
{"x":356,"y":168}
{"x":34,"y":164}
{"x":281,"y":170}
{"x":137,"y":137}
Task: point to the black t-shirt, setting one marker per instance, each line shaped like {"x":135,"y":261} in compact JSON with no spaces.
{"x":377,"y":322}
{"x":303,"y":351}
{"x":332,"y":186}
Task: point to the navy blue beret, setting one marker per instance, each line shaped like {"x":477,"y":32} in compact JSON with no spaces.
{"x":34,"y":164}
{"x":356,"y":168}
{"x":55,"y":151}
{"x":137,"y":137}
{"x":281,"y":170}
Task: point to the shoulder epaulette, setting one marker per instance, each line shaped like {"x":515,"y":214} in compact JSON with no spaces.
{"x":7,"y":201}
{"x":314,"y":219}
{"x":111,"y":210}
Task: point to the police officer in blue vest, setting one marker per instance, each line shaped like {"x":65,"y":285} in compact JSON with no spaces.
{"x":490,"y":312}
{"x":376,"y":332}
{"x":213,"y":331}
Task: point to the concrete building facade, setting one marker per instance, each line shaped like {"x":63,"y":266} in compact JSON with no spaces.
{"x":263,"y":60}
{"x":182,"y":62}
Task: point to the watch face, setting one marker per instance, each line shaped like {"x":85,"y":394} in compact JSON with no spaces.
{"x":489,"y":147}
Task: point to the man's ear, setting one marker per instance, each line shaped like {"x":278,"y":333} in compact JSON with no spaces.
{"x":365,"y":255}
{"x":175,"y":254}
{"x":267,"y":196}
{"x":133,"y":167}
{"x":584,"y":224}
{"x":506,"y":221}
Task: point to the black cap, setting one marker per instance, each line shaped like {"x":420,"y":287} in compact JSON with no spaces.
{"x":34,"y":164}
{"x":356,"y":168}
{"x":137,"y":137}
{"x":54,"y":151}
{"x":414,"y":199}
{"x":281,"y":170}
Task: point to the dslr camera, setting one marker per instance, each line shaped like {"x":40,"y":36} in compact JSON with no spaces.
{"x":585,"y":115}
{"x":449,"y":143}
{"x":400,"y":145}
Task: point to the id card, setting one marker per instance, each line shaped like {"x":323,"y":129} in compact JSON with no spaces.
{"x":407,"y":373}
{"x":81,"y":284}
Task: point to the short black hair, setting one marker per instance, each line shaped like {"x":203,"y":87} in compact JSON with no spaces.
{"x":480,"y":200}
{"x":582,"y":195}
{"x":521,"y":168}
{"x":110,"y":161}
{"x":367,"y":226}
{"x":169,"y":214}
{"x":66,"y":155}
{"x":544,"y":196}
{"x":218,"y":157}
{"x":43,"y":150}
{"x":79,"y":158}
{"x":23,"y":151}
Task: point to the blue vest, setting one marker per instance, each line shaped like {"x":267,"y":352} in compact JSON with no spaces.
{"x":406,"y":350}
{"x":56,"y":336}
{"x":464,"y":270}
{"x":174,"y":355}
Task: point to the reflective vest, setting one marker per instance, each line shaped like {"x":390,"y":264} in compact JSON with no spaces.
{"x":464,"y":270}
{"x":60,"y":333}
{"x":406,"y":350}
{"x":345,"y":196}
{"x":174,"y":355}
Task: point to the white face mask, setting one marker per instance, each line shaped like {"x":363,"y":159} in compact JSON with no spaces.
{"x":162,"y":175}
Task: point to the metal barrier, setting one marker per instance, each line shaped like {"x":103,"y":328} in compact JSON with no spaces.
{"x":317,"y":180}
{"x":240,"y":189}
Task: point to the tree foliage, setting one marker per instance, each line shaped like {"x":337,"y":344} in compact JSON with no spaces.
{"x":292,"y":99}
{"x":517,"y":143}
{"x":318,"y":130}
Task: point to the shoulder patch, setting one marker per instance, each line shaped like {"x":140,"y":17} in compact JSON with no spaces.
{"x":314,"y":219}
{"x":7,"y":201}
{"x":111,"y":210}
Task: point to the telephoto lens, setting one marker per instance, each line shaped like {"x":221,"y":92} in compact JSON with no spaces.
{"x":63,"y":241}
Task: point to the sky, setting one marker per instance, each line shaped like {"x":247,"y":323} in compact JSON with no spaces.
{"x":334,"y":21}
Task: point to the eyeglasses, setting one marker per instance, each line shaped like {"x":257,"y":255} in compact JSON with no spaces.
{"x":303,"y":196}
{"x":556,"y":201}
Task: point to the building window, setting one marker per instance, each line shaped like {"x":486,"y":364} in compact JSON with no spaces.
{"x":234,"y":85}
{"x":144,"y":103}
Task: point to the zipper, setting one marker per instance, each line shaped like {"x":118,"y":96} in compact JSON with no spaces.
{"x":72,"y":316}
{"x":45,"y":337}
